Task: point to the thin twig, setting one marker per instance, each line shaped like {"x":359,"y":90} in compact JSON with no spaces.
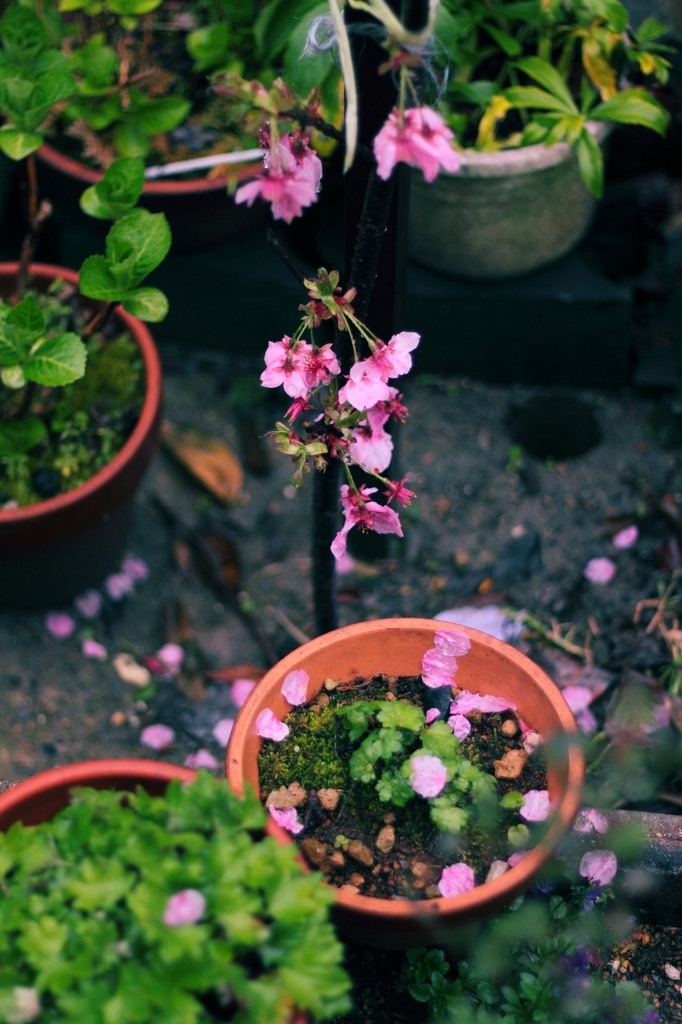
{"x":313,"y":121}
{"x":285,"y":622}
{"x":99,"y":320}
{"x":670,"y":798}
{"x":28,"y":246}
{"x":286,"y":259}
{"x":25,"y":405}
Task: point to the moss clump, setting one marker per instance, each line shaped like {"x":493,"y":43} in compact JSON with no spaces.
{"x":307,"y":755}
{"x":112,"y":377}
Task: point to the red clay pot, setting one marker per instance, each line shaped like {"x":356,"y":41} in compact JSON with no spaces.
{"x":200,"y":212}
{"x":396,"y":647}
{"x":52,"y":551}
{"x":39,"y":798}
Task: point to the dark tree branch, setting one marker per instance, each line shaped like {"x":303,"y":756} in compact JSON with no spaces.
{"x":319,"y":123}
{"x":286,"y":259}
{"x":325,"y":519}
{"x":373,"y":224}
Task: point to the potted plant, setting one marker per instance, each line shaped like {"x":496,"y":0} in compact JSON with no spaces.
{"x":531,"y":96}
{"x":133,"y":889}
{"x":396,"y":649}
{"x":81,"y":381}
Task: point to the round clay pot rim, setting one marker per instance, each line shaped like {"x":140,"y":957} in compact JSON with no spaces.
{"x":560,"y":819}
{"x":148,"y":414}
{"x":75,"y":169}
{"x":504,"y":163}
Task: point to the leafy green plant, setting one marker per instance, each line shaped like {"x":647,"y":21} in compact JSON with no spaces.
{"x":394,"y":733}
{"x":89,"y":927}
{"x":128,"y":11}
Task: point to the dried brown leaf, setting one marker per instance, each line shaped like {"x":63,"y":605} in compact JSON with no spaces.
{"x":209,"y":461}
{"x":232,"y":672}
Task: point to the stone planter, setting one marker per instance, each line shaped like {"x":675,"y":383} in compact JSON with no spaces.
{"x":503,"y":214}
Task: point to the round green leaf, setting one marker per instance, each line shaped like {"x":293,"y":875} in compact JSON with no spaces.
{"x":57,"y":361}
{"x":149,"y":304}
{"x":19,"y":437}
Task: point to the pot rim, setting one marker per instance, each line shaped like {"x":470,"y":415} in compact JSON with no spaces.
{"x":75,"y":169}
{"x":504,"y":163}
{"x":517,"y":877}
{"x":148,"y":414}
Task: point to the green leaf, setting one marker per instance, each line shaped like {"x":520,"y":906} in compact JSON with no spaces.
{"x":96,"y":281}
{"x":303,"y":73}
{"x":549,"y":78}
{"x":512,"y":801}
{"x":141,"y":236}
{"x":449,"y":819}
{"x":440,"y":740}
{"x":149,"y":304}
{"x":131,"y":140}
{"x":401,"y":715}
{"x":13,"y":377}
{"x":529,"y":96}
{"x":208,"y":45}
{"x":163,"y":115}
{"x":512,"y":47}
{"x":519,"y":836}
{"x":19,"y":437}
{"x":633,"y":106}
{"x":57,"y":361}
{"x":275,"y":23}
{"x":17,"y":144}
{"x":650,"y":29}
{"x":23,"y":33}
{"x":356,"y":716}
{"x":479,"y":93}
{"x":100,"y":884}
{"x":617,"y":15}
{"x":394,"y":786}
{"x":27,"y":315}
{"x":591,"y":163}
{"x":132,"y":8}
{"x":117,"y":191}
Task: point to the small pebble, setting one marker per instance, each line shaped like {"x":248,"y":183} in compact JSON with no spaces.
{"x":350,"y":888}
{"x":385,"y":840}
{"x":509,"y":728}
{"x":511,"y":764}
{"x":329,"y":798}
{"x":45,"y":482}
{"x":118,"y":719}
{"x":497,"y":869}
{"x":360,"y":853}
{"x":322,"y":700}
{"x":672,"y":972}
{"x":330,"y":684}
{"x":357,"y":879}
{"x":389,"y":818}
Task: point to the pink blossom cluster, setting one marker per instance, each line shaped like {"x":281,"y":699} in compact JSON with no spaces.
{"x":298,"y":367}
{"x":418,"y":137}
{"x":369,"y":515}
{"x":290,"y":179}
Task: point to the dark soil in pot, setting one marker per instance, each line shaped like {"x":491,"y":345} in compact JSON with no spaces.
{"x":374,"y":846}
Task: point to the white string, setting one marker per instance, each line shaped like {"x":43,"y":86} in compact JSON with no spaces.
{"x":201,"y":162}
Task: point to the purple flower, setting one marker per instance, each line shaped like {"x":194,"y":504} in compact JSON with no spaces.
{"x":452,"y":642}
{"x":222,"y":730}
{"x":456,"y":879}
{"x":288,"y":819}
{"x":89,"y":604}
{"x":650,"y":1017}
{"x":625,"y":538}
{"x":461,"y":726}
{"x":171,"y":656}
{"x":186,"y":907}
{"x":295,"y":686}
{"x":535,"y":805}
{"x":600,"y":571}
{"x":201,"y":759}
{"x":270,"y":728}
{"x":590,"y":897}
{"x":136,"y":568}
{"x":157,"y":737}
{"x":438,"y":669}
{"x":599,"y":866}
{"x":241,"y":688}
{"x":59,"y":625}
{"x":486,"y":703}
{"x":429,"y":775}
{"x":589,"y":820}
{"x":118,"y":586}
{"x":431,"y":715}
{"x":93,"y":649}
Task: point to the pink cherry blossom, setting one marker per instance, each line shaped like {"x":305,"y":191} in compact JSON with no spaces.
{"x":452,"y":641}
{"x":287,"y":194}
{"x":396,"y":489}
{"x":590,"y":820}
{"x":438,"y":669}
{"x":287,"y":366}
{"x":531,"y":741}
{"x":89,"y":604}
{"x":460,"y":725}
{"x":136,"y":568}
{"x":241,"y":688}
{"x":599,"y":866}
{"x":59,"y":625}
{"x":364,"y":387}
{"x":517,"y":857}
{"x":222,"y":731}
{"x":306,"y":165}
{"x":486,"y":703}
{"x":431,"y":715}
{"x":368,"y":516}
{"x":295,"y":686}
{"x":186,"y":907}
{"x":535,"y":805}
{"x":270,"y":728}
{"x":421,"y":140}
{"x":393,"y":359}
{"x":456,"y":879}
{"x":429,"y":775}
{"x":172,"y":657}
{"x":288,"y":819}
{"x":367,"y":383}
{"x":157,"y":737}
{"x":600,"y":571}
{"x":94,"y":649}
{"x":625,"y":538}
{"x":201,"y":759}
{"x":373,"y":446}
{"x":577,"y":697}
{"x":345,"y":565}
{"x":119,"y":585}
{"x":322,"y":365}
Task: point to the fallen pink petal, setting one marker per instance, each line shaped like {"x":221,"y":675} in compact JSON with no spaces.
{"x":186,"y":907}
{"x":201,"y":759}
{"x":222,"y":731}
{"x":535,"y":805}
{"x":431,"y":715}
{"x":586,"y":721}
{"x":241,"y":688}
{"x":270,"y":728}
{"x":59,"y":625}
{"x":94,"y":649}
{"x":600,"y":571}
{"x":118,"y":586}
{"x":429,"y":775}
{"x":577,"y":697}
{"x":135,"y":568}
{"x":172,"y":657}
{"x":295,"y":686}
{"x":89,"y":604}
{"x":452,"y":642}
{"x":599,"y":866}
{"x":288,"y":819}
{"x":438,"y":669}
{"x":460,"y":725}
{"x":590,"y":820}
{"x":157,"y":737}
{"x":486,"y":703}
{"x":625,"y":539}
{"x":517,"y":857}
{"x":456,"y":879}
{"x":531,"y":741}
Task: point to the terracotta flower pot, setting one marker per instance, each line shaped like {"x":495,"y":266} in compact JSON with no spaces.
{"x":199,"y":210}
{"x":52,"y":551}
{"x":396,"y":647}
{"x":39,"y":798}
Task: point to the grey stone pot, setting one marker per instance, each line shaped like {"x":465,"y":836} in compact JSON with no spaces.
{"x":502,"y":214}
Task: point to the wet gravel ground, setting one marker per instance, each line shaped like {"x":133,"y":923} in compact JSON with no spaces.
{"x":653,"y":958}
